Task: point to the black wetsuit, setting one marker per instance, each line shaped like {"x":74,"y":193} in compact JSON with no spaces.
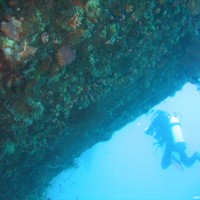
{"x":162,"y":129}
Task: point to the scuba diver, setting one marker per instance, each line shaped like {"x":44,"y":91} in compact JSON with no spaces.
{"x":166,"y":129}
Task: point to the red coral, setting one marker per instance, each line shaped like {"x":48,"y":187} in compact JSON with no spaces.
{"x":65,"y":55}
{"x":80,"y":3}
{"x":12,"y":29}
{"x":10,"y":78}
{"x":5,"y":65}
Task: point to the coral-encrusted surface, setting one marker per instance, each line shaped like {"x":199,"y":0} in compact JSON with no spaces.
{"x":74,"y":71}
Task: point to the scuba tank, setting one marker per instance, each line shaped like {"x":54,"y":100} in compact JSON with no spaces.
{"x":176,"y":131}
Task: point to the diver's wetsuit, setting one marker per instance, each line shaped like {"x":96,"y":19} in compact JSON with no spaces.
{"x":161,"y":126}
{"x":166,"y":160}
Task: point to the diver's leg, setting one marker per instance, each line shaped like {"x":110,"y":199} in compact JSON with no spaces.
{"x":166,"y":159}
{"x":186,"y":160}
{"x":197,"y":155}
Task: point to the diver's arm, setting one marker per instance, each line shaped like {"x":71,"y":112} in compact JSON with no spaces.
{"x":151,"y":130}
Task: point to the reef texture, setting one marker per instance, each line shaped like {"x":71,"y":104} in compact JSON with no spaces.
{"x":74,"y":71}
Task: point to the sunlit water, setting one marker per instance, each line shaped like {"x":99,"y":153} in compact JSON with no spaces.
{"x":128,"y":166}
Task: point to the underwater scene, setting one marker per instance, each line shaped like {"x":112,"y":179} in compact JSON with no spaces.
{"x":128,"y":167}
{"x":99,"y":99}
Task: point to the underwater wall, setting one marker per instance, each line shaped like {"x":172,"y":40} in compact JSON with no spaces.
{"x":74,"y":71}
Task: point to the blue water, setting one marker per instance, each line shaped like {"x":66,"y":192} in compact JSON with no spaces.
{"x":128,"y":166}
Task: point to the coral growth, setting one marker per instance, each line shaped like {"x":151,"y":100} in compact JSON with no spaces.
{"x":74,"y":18}
{"x":26,"y":52}
{"x":194,"y":7}
{"x":76,"y":68}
